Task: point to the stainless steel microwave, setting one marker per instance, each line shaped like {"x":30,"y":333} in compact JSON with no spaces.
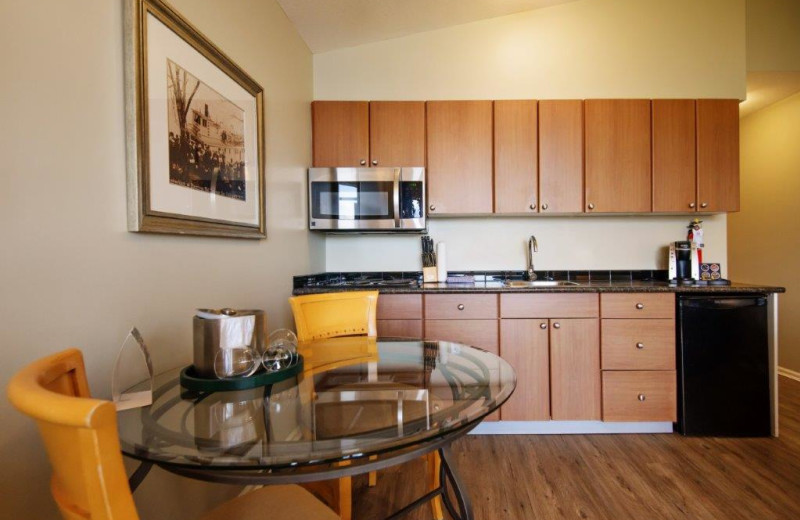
{"x":366,"y":199}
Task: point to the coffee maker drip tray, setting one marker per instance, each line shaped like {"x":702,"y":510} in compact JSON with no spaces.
{"x":690,"y":282}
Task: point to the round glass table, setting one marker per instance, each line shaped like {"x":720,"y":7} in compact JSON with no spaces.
{"x":359,"y":405}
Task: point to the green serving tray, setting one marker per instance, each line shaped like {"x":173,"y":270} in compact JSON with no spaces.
{"x":191,"y":381}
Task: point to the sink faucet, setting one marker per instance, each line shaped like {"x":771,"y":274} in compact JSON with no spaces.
{"x":533,"y":247}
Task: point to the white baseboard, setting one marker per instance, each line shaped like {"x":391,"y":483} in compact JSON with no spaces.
{"x":791,"y":374}
{"x":568,"y":427}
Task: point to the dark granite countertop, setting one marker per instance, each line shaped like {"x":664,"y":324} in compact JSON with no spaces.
{"x":493,"y":282}
{"x":596,"y":287}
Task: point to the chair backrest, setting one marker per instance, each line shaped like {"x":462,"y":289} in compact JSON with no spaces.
{"x":329,"y":315}
{"x":80,"y":436}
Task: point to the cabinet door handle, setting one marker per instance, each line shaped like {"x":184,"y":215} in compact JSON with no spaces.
{"x":533,"y":206}
{"x":432,"y":207}
{"x":640,"y":306}
{"x":544,"y":207}
{"x":556,"y":325}
{"x":641,"y":397}
{"x":543,"y":326}
{"x":692,"y":205}
{"x":362,"y":162}
{"x":374,"y":162}
{"x":640,"y":345}
{"x":461,"y":306}
{"x":704,"y":205}
{"x":590,"y":206}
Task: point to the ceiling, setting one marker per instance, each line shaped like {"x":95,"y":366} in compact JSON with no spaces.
{"x":766,"y":88}
{"x":327,"y":25}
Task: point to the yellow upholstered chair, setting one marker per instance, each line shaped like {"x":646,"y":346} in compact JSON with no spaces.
{"x":330,"y":315}
{"x":81,"y":440}
{"x":349,"y":313}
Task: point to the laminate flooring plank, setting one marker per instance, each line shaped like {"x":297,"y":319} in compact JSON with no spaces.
{"x":613,"y":477}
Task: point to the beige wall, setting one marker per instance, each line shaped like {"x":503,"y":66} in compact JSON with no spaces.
{"x":765,"y":235}
{"x":583,"y":49}
{"x":588,"y":48}
{"x":70,"y":273}
{"x":772,"y":39}
{"x":564,"y":243}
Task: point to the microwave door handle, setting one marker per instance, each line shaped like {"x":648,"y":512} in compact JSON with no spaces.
{"x":398,"y":223}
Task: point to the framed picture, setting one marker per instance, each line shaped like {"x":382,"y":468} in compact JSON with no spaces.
{"x":195,"y":131}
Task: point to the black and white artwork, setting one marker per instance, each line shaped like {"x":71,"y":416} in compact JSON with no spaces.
{"x":206,"y":137}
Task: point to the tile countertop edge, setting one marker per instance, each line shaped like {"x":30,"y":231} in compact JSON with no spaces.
{"x":623,"y":287}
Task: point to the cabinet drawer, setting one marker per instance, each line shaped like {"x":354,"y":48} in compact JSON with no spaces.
{"x":400,"y":328}
{"x":400,"y":307}
{"x":637,"y":305}
{"x":549,"y":305}
{"x":640,"y":396}
{"x":638,"y":344}
{"x":479,"y":333}
{"x":460,"y":306}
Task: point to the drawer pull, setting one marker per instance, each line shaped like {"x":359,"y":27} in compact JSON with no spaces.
{"x":640,"y":345}
{"x":543,"y":326}
{"x":640,"y":306}
{"x":556,"y":325}
{"x":461,"y":306}
{"x":641,"y":397}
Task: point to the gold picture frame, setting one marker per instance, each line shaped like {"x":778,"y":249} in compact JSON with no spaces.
{"x":194,"y":128}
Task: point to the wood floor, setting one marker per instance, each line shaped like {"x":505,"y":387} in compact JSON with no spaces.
{"x":614,"y":476}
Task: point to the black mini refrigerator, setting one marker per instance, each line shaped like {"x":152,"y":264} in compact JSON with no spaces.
{"x":723,"y":365}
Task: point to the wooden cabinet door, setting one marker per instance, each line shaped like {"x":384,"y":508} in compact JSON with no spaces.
{"x":674,"y":156}
{"x":718,"y":154}
{"x":340,"y":131}
{"x":561,"y":156}
{"x":399,"y":307}
{"x":461,"y":306}
{"x":477,"y":333}
{"x":400,"y":328}
{"x":515,"y":157}
{"x":649,"y":395}
{"x":459,"y":157}
{"x":525,"y":345}
{"x":397,"y":133}
{"x":618,"y":177}
{"x":575,"y":369}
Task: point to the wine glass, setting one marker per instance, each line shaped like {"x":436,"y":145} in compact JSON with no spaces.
{"x":235,"y":362}
{"x":281,"y":350}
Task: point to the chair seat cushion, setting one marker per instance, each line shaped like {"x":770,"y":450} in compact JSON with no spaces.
{"x":273,"y":503}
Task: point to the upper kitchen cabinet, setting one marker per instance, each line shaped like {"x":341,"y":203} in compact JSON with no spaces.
{"x":459,"y":157}
{"x":561,"y":156}
{"x":515,"y":161}
{"x":674,"y":156}
{"x":397,"y":133}
{"x":380,"y":133}
{"x":618,"y":174}
{"x":340,"y":133}
{"x":718,"y":154}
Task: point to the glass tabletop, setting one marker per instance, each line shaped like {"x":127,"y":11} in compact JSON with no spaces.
{"x":355,"y":397}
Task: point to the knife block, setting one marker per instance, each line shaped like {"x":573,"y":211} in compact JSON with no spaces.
{"x":429,"y":275}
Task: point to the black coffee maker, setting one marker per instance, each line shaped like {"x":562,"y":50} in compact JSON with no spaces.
{"x":684,"y":262}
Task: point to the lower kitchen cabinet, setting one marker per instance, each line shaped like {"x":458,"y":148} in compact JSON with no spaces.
{"x":400,"y":315}
{"x":640,"y":395}
{"x":477,"y":333}
{"x":400,"y":328}
{"x":638,"y":344}
{"x":575,"y":369}
{"x":525,"y":344}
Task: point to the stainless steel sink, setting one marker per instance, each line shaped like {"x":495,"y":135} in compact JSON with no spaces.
{"x":537,"y":283}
